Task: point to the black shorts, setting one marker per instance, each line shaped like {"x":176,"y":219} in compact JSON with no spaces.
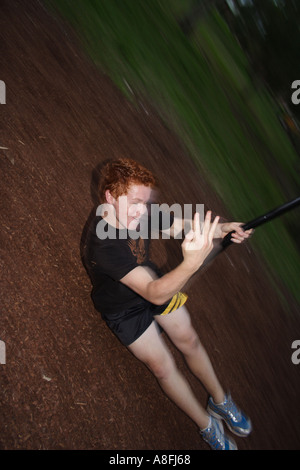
{"x":135,"y":322}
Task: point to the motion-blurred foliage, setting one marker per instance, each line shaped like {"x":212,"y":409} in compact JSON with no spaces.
{"x":203,"y":86}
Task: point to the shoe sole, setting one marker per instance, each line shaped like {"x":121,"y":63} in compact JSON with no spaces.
{"x":220,"y":418}
{"x":231,"y":442}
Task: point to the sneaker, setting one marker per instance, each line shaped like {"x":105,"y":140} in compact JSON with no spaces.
{"x":236,"y":420}
{"x":215,"y":437}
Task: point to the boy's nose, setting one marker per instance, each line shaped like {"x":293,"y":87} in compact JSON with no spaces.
{"x":140,"y":210}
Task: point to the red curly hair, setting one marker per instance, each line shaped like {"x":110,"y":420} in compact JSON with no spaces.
{"x":118,"y":175}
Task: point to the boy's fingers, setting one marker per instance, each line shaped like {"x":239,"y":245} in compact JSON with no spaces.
{"x":197,"y":226}
{"x":241,"y":235}
{"x":206,"y":225}
{"x":213,"y":228}
{"x":197,"y":222}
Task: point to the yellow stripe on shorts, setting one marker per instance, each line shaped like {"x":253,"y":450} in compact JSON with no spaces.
{"x":177,"y":301}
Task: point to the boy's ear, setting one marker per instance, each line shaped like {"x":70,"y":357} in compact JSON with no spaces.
{"x":109,"y":197}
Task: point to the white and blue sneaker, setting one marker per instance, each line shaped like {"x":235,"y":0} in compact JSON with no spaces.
{"x":236,"y":420}
{"x":215,"y":437}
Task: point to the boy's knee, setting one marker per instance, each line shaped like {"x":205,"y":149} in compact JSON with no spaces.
{"x":189,"y":342}
{"x":162,"y":367}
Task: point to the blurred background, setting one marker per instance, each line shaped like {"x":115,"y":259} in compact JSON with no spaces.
{"x":201,"y":92}
{"x":220,"y":74}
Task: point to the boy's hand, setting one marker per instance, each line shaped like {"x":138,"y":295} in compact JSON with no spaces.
{"x":239,"y":234}
{"x":197,"y":245}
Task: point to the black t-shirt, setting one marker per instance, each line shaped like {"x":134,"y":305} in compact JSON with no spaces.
{"x":109,"y":260}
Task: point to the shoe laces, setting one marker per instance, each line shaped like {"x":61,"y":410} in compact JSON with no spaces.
{"x":231,"y":409}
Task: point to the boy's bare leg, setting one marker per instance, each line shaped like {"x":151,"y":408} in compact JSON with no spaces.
{"x":178,"y":327}
{"x":151,"y":350}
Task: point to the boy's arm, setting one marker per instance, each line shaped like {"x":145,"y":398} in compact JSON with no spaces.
{"x":195,"y":248}
{"x":179,"y":225}
{"x":157,"y":290}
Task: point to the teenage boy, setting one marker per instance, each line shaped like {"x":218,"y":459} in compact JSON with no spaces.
{"x":137,"y":301}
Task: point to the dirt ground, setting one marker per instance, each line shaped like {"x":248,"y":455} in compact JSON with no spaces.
{"x":67,"y":382}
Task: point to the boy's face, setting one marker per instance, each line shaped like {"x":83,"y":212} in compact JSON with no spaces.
{"x":130,"y":207}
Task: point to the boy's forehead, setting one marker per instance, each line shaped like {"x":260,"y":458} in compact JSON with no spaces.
{"x":139,"y":191}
